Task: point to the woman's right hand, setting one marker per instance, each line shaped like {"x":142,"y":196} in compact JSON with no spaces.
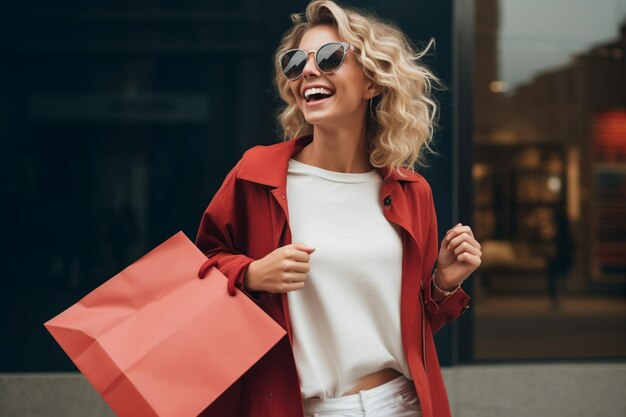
{"x":283,"y":270}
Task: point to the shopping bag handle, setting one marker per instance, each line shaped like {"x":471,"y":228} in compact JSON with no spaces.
{"x":205,"y":268}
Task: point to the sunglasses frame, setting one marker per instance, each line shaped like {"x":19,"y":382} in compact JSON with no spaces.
{"x":346,"y":47}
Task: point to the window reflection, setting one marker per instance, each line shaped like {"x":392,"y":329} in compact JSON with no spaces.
{"x":550,"y":179}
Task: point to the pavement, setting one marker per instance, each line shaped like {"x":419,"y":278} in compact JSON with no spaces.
{"x":535,"y":327}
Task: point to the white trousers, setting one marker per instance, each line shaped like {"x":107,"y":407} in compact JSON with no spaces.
{"x":396,"y":398}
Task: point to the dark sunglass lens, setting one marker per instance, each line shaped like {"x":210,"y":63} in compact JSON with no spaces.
{"x":293,"y":63}
{"x":330,"y":57}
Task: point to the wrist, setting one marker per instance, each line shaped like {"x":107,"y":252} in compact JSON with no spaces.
{"x":443,"y":289}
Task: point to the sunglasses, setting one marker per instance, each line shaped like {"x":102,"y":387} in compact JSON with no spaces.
{"x":328,"y":58}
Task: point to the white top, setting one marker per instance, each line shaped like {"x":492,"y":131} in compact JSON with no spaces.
{"x":346,"y":319}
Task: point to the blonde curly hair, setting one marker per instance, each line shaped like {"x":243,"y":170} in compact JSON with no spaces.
{"x":404,"y":114}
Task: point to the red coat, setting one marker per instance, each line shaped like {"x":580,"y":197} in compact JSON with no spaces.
{"x":248,"y":218}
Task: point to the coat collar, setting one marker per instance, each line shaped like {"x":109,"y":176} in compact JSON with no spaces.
{"x":268,"y":164}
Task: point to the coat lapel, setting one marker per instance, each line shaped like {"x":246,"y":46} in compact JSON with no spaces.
{"x":282,"y":236}
{"x":280,"y":214}
{"x":398,"y":211}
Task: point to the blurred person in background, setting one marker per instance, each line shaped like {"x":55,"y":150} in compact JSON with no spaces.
{"x":561,"y":260}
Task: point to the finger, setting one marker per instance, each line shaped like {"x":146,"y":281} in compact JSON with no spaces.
{"x":468,"y":258}
{"x":299,"y":255}
{"x":290,"y":266}
{"x":287,"y":286}
{"x":294,"y":287}
{"x":456,"y":230}
{"x":294,"y":265}
{"x":459,"y":229}
{"x":467,"y":247}
{"x":293,"y":277}
{"x":303,"y":247}
{"x":463,"y":237}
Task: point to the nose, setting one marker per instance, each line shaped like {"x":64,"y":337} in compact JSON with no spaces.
{"x":310,"y":68}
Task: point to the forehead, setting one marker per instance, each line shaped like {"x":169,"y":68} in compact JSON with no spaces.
{"x":318,"y":36}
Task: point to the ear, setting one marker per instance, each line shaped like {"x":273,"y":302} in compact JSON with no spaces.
{"x":373,"y":89}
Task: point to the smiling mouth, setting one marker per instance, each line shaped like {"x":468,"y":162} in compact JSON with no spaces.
{"x":317,"y":97}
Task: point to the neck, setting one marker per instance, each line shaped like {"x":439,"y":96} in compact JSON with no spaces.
{"x":340,"y":150}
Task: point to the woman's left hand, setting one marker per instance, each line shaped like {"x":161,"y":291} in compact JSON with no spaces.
{"x":459,"y":256}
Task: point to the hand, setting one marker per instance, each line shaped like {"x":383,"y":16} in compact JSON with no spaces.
{"x":459,"y":256}
{"x":283,"y":270}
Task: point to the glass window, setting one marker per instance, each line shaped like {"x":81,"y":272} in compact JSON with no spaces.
{"x":550,"y":179}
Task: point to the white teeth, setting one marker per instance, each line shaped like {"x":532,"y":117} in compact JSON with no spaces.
{"x":309,"y":91}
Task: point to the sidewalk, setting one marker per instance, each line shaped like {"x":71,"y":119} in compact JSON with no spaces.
{"x":521,"y":327}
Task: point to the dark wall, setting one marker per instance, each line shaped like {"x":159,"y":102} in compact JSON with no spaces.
{"x":118,"y":122}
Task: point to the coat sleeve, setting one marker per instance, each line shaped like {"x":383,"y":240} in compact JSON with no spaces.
{"x":215,"y":236}
{"x":452,"y":306}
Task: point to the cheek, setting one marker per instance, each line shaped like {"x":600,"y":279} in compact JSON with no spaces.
{"x":350,"y":90}
{"x":349,"y":95}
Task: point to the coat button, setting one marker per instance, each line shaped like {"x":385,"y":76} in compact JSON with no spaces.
{"x":269,"y":395}
{"x":387,"y":200}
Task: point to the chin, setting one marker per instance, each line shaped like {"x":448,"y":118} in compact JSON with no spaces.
{"x":319,"y":117}
{"x":318,"y":121}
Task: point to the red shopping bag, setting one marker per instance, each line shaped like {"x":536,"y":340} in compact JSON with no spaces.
{"x":155,"y":340}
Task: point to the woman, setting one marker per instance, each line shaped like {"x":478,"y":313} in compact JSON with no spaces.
{"x":334,"y":235}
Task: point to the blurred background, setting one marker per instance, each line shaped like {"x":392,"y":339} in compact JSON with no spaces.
{"x":549,"y":178}
{"x":119,"y":121}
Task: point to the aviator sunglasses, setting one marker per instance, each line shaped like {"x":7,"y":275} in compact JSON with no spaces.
{"x":328,"y":58}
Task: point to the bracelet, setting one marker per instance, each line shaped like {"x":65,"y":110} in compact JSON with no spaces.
{"x":445,"y":293}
